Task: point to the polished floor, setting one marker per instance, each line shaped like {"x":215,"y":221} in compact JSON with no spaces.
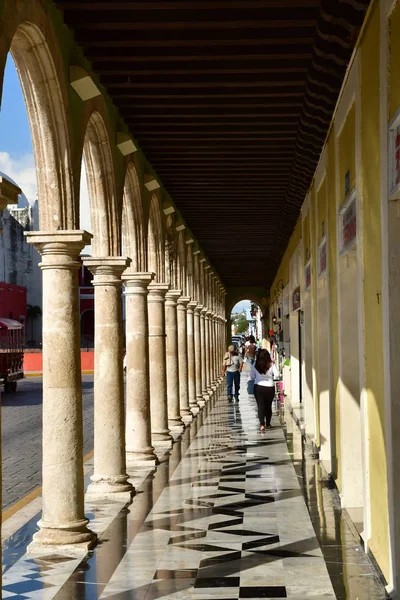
{"x":230,"y":513}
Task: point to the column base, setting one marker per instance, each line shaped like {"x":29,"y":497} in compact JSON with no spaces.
{"x":187,"y":418}
{"x":195,"y":410}
{"x":176,"y":422}
{"x":119,"y":489}
{"x":206,"y":396}
{"x":73,"y":537}
{"x":145,"y":458}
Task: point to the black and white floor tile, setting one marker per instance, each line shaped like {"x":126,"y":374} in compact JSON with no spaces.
{"x":223,"y":518}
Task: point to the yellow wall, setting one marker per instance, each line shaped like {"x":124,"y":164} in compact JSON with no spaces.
{"x":347,"y":154}
{"x":367,"y":128}
{"x":321,"y":208}
{"x":394,"y":58}
{"x":333,"y":303}
{"x":306,"y":237}
{"x":372,"y":277}
{"x":282,"y":275}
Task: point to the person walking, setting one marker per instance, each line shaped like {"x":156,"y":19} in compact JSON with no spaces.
{"x":232,"y":367}
{"x":251,"y":351}
{"x":263,"y":374}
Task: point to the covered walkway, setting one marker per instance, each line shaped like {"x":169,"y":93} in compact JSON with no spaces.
{"x":232,"y":149}
{"x":230,"y":513}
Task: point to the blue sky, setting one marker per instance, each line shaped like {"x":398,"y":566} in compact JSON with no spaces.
{"x":15,"y":137}
{"x":16,"y":153}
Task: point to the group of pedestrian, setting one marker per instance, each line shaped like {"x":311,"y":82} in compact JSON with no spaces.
{"x":263,"y":372}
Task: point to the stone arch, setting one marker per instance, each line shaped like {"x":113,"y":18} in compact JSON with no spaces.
{"x":155,"y":242}
{"x":38,"y":62}
{"x":133,"y":235}
{"x":100,"y":170}
{"x":196,"y":277}
{"x":253,"y":298}
{"x":170,"y":254}
{"x":189,"y":272}
{"x":181,"y":264}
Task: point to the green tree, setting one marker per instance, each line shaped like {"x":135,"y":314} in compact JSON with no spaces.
{"x":241,"y":324}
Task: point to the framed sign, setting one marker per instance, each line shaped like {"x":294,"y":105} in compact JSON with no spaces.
{"x":348,"y":222}
{"x":394,"y":157}
{"x":307,"y":275}
{"x":322,"y":257}
{"x":296,"y":299}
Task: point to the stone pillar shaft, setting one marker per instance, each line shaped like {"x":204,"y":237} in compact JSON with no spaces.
{"x":207,"y":344}
{"x":197,"y":353}
{"x":183,"y":359}
{"x":203,"y":354}
{"x":158,"y":375}
{"x":109,"y":414}
{"x":63,"y":522}
{"x":191,"y":353}
{"x":171,"y":330}
{"x":139,"y":449}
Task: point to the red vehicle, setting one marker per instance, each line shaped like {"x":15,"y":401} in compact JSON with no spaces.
{"x":11,"y":353}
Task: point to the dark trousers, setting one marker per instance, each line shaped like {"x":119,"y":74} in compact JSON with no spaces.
{"x":264,"y":397}
{"x":233,"y":378}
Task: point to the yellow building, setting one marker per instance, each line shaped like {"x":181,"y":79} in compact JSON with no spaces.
{"x":344,"y":256}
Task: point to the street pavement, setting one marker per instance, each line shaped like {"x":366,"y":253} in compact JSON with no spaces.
{"x":21,"y":415}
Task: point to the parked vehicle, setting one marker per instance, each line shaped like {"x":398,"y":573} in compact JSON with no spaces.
{"x":11,"y":353}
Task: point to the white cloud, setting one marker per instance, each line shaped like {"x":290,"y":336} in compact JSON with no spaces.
{"x":22,"y":171}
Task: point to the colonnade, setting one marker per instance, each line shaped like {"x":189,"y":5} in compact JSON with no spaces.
{"x":174,"y":352}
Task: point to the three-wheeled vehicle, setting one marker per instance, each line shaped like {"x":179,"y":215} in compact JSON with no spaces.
{"x":11,"y":353}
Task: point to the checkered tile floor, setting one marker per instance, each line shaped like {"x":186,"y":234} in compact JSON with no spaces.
{"x":224,"y":518}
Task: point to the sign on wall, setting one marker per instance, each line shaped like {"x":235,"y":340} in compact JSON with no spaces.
{"x":307,"y":275}
{"x":348,"y":222}
{"x":322,"y":257}
{"x":296,"y":299}
{"x":394,"y":157}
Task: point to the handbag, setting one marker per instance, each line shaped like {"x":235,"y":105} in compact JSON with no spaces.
{"x":250,"y":387}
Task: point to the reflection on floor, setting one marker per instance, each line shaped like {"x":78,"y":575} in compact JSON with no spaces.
{"x":223,"y":517}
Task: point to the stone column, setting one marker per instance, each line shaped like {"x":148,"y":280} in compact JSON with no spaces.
{"x":183,"y":360}
{"x":213,"y":352}
{"x":197,"y":354}
{"x":139,"y":449}
{"x":63,"y":522}
{"x":171,"y":342}
{"x":109,"y":476}
{"x":208,"y":352}
{"x":204,"y":390}
{"x":158,"y":375}
{"x":191,"y":353}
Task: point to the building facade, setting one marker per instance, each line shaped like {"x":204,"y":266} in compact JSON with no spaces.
{"x":339,"y":283}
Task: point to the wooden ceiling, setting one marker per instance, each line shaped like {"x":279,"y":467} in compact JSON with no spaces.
{"x":230,"y":101}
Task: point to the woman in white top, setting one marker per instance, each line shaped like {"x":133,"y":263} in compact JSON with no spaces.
{"x":263,"y":374}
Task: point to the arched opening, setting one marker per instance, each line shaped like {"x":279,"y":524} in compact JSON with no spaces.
{"x":132,"y":221}
{"x":87,"y":328}
{"x":170,"y":254}
{"x":246,"y":319}
{"x":18,"y":259}
{"x":47,"y":110}
{"x":100,"y":176}
{"x":155,"y":244}
{"x":189,"y":272}
{"x":181,"y":282}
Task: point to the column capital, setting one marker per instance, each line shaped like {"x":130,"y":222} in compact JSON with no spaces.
{"x":59,"y":249}
{"x":106,"y":271}
{"x":203,"y":311}
{"x":209,"y":313}
{"x":192,"y":305}
{"x":157,"y":291}
{"x":172,"y":296}
{"x":183,"y":302}
{"x":136,"y":281}
{"x":198,"y":308}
